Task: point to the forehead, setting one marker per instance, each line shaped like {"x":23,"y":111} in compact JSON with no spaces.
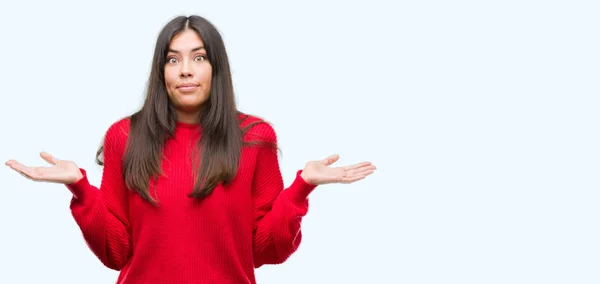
{"x":186,"y":41}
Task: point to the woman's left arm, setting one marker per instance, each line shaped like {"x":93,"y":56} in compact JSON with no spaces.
{"x":278,"y":212}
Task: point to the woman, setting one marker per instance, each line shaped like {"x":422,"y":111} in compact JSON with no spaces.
{"x":191,"y":189}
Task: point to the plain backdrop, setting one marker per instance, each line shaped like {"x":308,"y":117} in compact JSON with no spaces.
{"x":481,"y":116}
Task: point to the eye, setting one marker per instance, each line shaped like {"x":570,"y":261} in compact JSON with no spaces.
{"x":172,"y":60}
{"x":200,"y":58}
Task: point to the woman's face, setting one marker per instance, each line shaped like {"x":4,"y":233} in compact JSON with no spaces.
{"x":188,"y":75}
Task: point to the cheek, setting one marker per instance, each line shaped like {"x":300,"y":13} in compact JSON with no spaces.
{"x":170,"y":78}
{"x":206,"y":75}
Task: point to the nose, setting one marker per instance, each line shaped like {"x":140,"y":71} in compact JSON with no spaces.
{"x":186,"y":71}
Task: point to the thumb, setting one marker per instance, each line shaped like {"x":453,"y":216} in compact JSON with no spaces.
{"x":331,"y":159}
{"x":48,"y":158}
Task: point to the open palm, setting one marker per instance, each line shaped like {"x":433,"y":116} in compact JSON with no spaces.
{"x":60,"y":171}
{"x":321,"y":172}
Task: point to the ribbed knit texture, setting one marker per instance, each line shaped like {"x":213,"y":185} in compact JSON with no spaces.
{"x":241,"y":226}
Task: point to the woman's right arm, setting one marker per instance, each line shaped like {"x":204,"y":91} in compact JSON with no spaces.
{"x":102,"y":214}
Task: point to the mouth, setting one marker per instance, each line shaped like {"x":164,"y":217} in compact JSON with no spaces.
{"x":188,"y":87}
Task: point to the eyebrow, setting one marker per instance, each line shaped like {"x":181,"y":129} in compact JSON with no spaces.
{"x":195,"y":49}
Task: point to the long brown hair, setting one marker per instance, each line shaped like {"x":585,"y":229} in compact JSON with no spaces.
{"x":221,"y":141}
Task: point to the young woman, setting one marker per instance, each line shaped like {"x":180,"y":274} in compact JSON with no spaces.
{"x":191,"y":189}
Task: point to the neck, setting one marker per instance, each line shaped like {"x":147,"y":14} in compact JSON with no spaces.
{"x":188,"y":118}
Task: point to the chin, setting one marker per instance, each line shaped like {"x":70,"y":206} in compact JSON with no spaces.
{"x":186,"y":100}
{"x":190,"y":106}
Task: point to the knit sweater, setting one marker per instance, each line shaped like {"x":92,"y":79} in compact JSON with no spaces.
{"x":249,"y":222}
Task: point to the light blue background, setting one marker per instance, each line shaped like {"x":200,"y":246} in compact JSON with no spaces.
{"x":482,"y":117}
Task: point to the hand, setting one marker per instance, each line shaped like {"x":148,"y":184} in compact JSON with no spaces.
{"x":320,"y":172}
{"x":61,"y":171}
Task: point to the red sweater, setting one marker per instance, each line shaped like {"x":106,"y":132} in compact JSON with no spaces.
{"x":239,"y":227}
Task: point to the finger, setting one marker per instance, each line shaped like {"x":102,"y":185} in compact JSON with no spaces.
{"x":39,"y":173}
{"x":34,"y":173}
{"x":352,"y":179}
{"x":361,"y":171}
{"x":357,"y":166}
{"x":364,"y":168}
{"x":15,"y":165}
{"x":331,"y":159}
{"x":21,"y":169}
{"x":48,"y":158}
{"x":349,"y":178}
{"x":9,"y":162}
{"x":24,"y":175}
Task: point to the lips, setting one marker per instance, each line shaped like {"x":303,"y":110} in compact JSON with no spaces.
{"x":187,"y":87}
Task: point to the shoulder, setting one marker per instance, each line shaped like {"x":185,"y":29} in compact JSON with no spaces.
{"x":256,"y":128}
{"x":119,"y":128}
{"x":117,"y":132}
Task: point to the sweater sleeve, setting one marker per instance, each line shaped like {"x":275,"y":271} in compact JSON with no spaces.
{"x":101,"y":214}
{"x":277,"y":211}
